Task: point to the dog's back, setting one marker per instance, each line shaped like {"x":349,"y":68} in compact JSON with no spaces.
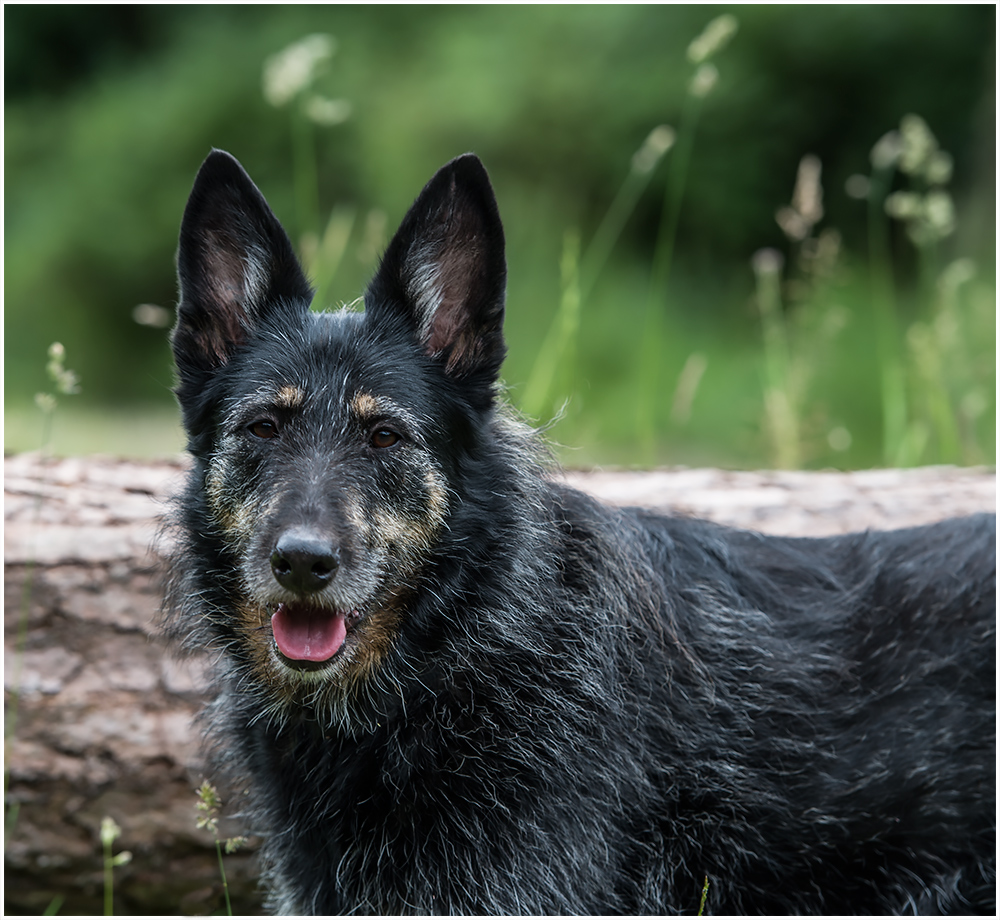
{"x":451,"y":685}
{"x":849,"y":683}
{"x":820,"y":712}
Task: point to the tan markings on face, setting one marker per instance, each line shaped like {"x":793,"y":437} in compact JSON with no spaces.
{"x":364,"y":405}
{"x":289,"y":396}
{"x":254,"y":623}
{"x":355,"y":515}
{"x":437,"y":495}
{"x":368,"y":408}
{"x":376,"y":635}
{"x":235,"y":518}
{"x":239,"y":519}
{"x":412,"y":538}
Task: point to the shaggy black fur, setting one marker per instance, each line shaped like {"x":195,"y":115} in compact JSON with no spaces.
{"x":525,"y":702}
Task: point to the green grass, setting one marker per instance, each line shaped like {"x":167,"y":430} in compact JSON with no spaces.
{"x":850,"y":365}
{"x":831,"y":357}
{"x":948,"y":359}
{"x":139,"y":432}
{"x":812,"y":355}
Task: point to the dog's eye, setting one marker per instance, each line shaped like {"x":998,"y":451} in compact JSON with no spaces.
{"x":383,"y":437}
{"x":263,"y":428}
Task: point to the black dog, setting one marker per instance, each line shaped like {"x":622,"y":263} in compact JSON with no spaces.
{"x":453,"y":685}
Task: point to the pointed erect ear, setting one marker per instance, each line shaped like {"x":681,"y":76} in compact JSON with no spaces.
{"x":235,"y":265}
{"x":444,"y":272}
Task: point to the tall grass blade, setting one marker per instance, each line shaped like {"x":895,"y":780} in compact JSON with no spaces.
{"x":225,"y":883}
{"x":329,"y":253}
{"x":304,"y":177}
{"x":780,"y":402}
{"x":555,"y":358}
{"x":897,"y":446}
{"x":578,"y":276}
{"x":704,"y":898}
{"x":644,"y":163}
{"x":653,"y":340}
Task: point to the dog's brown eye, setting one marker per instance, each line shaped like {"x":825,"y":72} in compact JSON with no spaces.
{"x":263,"y":428}
{"x":383,"y":437}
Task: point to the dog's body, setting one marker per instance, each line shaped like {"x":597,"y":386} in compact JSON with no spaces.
{"x":453,"y":685}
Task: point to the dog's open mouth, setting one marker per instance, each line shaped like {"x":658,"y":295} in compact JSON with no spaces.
{"x":304,"y":633}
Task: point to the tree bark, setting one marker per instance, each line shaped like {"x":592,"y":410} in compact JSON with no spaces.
{"x":100,"y":716}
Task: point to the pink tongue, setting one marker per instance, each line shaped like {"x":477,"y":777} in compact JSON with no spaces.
{"x":303,"y":634}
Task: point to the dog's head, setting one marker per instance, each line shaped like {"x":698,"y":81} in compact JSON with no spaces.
{"x":330,"y":447}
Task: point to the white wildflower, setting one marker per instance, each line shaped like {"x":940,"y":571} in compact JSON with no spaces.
{"x":857,"y":186}
{"x":653,"y":148}
{"x":292,"y":70}
{"x":939,"y":213}
{"x":929,"y":218}
{"x":839,"y":439}
{"x":957,"y":273}
{"x":974,"y":404}
{"x":46,"y":402}
{"x":903,"y":205}
{"x":938,"y":168}
{"x":792,"y":223}
{"x":110,"y":831}
{"x":327,"y":112}
{"x":704,"y":79}
{"x":66,"y":381}
{"x":151,"y":314}
{"x":919,"y":144}
{"x":807,"y":198}
{"x":885,"y":154}
{"x":767,"y":261}
{"x":806,"y":210}
{"x":714,"y":37}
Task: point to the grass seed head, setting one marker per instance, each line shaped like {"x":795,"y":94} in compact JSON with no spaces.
{"x":295,"y":68}
{"x":714,"y":37}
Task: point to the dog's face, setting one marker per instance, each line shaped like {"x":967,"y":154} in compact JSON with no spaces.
{"x":328,"y":446}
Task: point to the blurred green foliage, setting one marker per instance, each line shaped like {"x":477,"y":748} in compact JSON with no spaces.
{"x":110,"y":110}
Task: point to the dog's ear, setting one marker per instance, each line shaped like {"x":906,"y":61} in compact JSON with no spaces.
{"x":235,"y":264}
{"x":445,"y":274}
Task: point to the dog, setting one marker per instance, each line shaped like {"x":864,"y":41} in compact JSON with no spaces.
{"x":448,"y":683}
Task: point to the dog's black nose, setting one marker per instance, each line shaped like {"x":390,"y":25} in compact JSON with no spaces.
{"x":304,"y":562}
